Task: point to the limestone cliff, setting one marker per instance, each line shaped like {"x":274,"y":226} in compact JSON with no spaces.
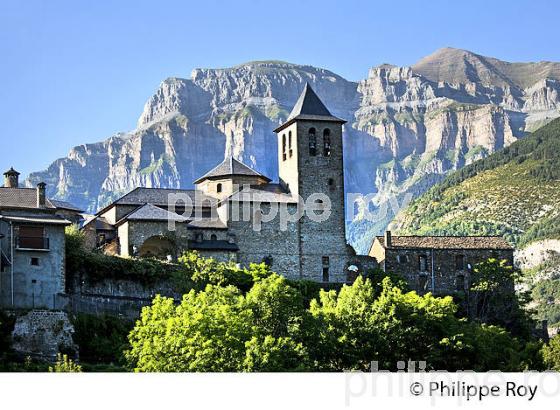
{"x":407,"y":126}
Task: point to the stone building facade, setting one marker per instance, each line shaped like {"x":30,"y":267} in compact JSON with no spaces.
{"x":32,"y":245}
{"x":229,"y":214}
{"x":438,"y":264}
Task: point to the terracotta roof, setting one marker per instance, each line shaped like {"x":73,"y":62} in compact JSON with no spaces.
{"x":21,"y":198}
{"x":230,"y":167}
{"x":447,"y":242}
{"x":309,"y":107}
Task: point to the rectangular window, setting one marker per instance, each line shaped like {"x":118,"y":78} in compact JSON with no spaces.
{"x":325,"y":274}
{"x":31,"y":237}
{"x":423,"y":263}
{"x":34,"y":261}
{"x":459,"y":262}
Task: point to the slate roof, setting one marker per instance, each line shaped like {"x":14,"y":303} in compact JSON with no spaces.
{"x":447,"y":242}
{"x":217,"y":245}
{"x":149,"y":212}
{"x":207,"y":223}
{"x":159,"y":196}
{"x":65,"y":205}
{"x":309,"y":107}
{"x":274,"y":193}
{"x":21,"y":198}
{"x":230,"y":167}
{"x":37,"y":219}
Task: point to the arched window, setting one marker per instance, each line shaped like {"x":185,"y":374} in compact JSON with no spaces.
{"x":327,"y":142}
{"x":290,"y":151}
{"x":312,"y":142}
{"x":213,"y":237}
{"x":283,"y":147}
{"x":219,"y":188}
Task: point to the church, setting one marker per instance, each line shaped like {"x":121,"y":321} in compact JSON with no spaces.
{"x":233,"y":205}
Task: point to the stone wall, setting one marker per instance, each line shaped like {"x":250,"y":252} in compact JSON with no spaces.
{"x":42,"y":334}
{"x":271,"y":241}
{"x":447,"y":276}
{"x":35,"y":286}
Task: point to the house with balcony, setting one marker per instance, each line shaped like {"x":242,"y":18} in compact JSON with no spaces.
{"x":32,"y":245}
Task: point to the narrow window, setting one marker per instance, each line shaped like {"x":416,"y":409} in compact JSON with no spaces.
{"x":213,"y":237}
{"x":312,"y":142}
{"x":219,"y":188}
{"x":423,"y":263}
{"x":34,"y":261}
{"x":327,"y":142}
{"x":325,"y":262}
{"x":283,"y":147}
{"x":459,"y":262}
{"x":460,"y":283}
{"x":331,"y":184}
{"x":290,"y":151}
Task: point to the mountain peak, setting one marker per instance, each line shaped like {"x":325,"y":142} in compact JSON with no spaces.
{"x":458,"y":66}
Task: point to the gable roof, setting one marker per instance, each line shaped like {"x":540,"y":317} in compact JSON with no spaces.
{"x":65,"y":205}
{"x":230,"y":167}
{"x":149,"y":212}
{"x":309,"y":107}
{"x":447,"y":242}
{"x":273,"y":193}
{"x":21,"y":198}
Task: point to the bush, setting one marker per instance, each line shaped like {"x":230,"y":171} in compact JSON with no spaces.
{"x":65,"y":365}
{"x":95,"y":267}
{"x":101,"y":340}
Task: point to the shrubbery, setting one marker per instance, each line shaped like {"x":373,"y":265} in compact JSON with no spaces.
{"x":270,"y":328}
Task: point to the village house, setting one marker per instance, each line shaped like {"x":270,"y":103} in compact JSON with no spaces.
{"x":437,"y":264}
{"x":310,"y":162}
{"x":32,"y":245}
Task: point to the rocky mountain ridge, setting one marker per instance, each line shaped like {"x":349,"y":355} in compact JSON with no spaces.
{"x":407,"y":126}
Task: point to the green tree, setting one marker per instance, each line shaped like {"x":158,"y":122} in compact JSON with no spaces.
{"x":551,"y":353}
{"x":220,"y":329}
{"x":493,"y":299}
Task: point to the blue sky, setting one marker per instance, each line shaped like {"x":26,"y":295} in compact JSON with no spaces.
{"x":73,"y":72}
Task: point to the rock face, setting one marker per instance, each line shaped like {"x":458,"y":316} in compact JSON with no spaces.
{"x":43,"y":334}
{"x":407,"y":126}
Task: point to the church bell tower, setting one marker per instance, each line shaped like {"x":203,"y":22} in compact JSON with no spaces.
{"x":310,"y":162}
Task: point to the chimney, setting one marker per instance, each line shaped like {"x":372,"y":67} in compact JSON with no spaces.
{"x":11,"y":178}
{"x":388,"y":239}
{"x":41,"y":196}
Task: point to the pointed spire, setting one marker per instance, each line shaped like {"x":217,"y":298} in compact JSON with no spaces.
{"x":309,"y":107}
{"x":230,"y":167}
{"x":309,"y":104}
